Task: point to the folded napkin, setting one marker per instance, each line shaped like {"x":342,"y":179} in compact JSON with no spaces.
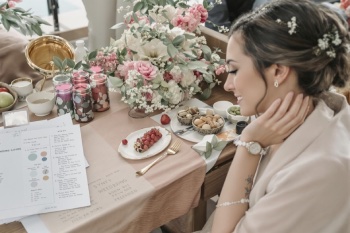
{"x":210,"y":148}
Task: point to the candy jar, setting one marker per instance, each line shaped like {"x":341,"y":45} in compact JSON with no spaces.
{"x":80,"y":76}
{"x":64,"y":101}
{"x":82,"y":101}
{"x":100,"y":95}
{"x":61,"y":78}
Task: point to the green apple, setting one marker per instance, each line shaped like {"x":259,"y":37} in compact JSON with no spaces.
{"x":6,"y":99}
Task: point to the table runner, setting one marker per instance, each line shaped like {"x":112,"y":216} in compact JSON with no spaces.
{"x":175,"y":181}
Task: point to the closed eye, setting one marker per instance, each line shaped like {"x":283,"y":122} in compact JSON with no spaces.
{"x":232,"y":71}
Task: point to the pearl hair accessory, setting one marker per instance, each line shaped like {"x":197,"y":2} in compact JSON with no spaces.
{"x":227,"y":203}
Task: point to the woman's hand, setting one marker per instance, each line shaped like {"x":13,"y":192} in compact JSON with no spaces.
{"x":279,"y":120}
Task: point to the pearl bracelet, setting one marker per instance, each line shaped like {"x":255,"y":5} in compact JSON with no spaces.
{"x":227,"y":203}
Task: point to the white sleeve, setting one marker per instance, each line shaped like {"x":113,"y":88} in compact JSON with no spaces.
{"x":309,"y":197}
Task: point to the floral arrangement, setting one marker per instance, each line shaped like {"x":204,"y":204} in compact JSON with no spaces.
{"x":161,"y":58}
{"x":22,"y":20}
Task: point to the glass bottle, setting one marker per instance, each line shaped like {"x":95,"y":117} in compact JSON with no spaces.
{"x":64,"y":102}
{"x":80,"y":51}
{"x":100,"y":95}
{"x":82,"y":101}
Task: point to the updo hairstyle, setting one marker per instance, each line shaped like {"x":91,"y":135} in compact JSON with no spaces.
{"x":267,"y":39}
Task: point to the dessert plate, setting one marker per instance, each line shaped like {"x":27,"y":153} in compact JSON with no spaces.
{"x":127,"y":151}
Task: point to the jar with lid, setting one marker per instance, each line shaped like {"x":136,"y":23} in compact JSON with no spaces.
{"x":80,"y":76}
{"x":64,"y":102}
{"x":61,"y":78}
{"x":82,"y":101}
{"x":100,"y":95}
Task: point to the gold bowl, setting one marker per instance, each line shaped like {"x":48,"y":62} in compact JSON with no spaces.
{"x":40,"y":52}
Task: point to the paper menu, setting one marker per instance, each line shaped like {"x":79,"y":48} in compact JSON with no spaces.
{"x":42,"y":171}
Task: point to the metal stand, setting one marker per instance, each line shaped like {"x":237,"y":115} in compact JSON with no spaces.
{"x":53,"y":9}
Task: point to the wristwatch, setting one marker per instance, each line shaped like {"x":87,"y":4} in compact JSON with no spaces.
{"x":253,"y":148}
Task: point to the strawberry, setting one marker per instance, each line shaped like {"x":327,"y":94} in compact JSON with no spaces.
{"x":165,"y":119}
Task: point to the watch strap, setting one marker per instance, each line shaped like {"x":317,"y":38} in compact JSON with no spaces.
{"x":237,"y":142}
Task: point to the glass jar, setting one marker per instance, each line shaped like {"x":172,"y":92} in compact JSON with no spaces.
{"x":80,"y":76}
{"x":61,"y":78}
{"x":64,"y":102}
{"x":100,"y":95}
{"x":82,"y":101}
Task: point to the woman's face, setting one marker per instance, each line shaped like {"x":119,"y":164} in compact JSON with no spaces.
{"x":243,"y":79}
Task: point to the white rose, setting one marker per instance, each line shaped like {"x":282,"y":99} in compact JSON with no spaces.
{"x":215,"y":57}
{"x":188,"y":78}
{"x":176,"y":94}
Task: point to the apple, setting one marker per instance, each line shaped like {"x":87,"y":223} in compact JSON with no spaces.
{"x":6,"y":99}
{"x":4,"y":89}
{"x":165,"y":119}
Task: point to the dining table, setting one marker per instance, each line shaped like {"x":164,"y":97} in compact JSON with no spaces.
{"x":174,"y":190}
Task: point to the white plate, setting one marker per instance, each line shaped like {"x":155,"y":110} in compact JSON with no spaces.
{"x":194,"y":136}
{"x":128,"y":151}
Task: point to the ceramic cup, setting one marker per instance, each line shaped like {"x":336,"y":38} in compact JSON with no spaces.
{"x":23,"y":87}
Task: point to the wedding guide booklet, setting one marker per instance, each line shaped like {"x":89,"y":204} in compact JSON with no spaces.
{"x":42,"y":171}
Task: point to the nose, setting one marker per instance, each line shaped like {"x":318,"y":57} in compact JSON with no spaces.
{"x":229,"y":86}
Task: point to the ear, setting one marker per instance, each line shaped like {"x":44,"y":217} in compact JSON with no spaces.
{"x":279,"y":73}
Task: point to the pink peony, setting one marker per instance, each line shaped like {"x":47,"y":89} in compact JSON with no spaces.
{"x":146,"y":69}
{"x":124,"y":69}
{"x":199,"y":10}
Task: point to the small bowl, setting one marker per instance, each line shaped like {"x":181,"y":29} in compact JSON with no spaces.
{"x":207,"y":131}
{"x":220,"y":107}
{"x":184,"y":120}
{"x":235,"y":118}
{"x":13,"y":93}
{"x":41,"y":103}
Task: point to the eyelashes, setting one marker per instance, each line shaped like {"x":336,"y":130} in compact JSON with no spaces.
{"x":232,"y":71}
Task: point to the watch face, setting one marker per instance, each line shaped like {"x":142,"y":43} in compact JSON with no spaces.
{"x":255,"y":148}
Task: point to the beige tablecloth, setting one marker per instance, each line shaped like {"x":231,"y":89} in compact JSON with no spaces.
{"x":175,"y":182}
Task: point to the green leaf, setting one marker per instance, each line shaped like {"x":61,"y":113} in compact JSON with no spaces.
{"x":78,"y":65}
{"x":208,"y":77}
{"x":92,"y":55}
{"x":115,"y":82}
{"x":138,"y":6}
{"x":207,"y":52}
{"x":178,"y":40}
{"x":162,"y":2}
{"x":4,"y":4}
{"x":220,"y":145}
{"x":189,"y":36}
{"x":212,"y":85}
{"x":6,"y":23}
{"x":206,"y":94}
{"x":144,"y":9}
{"x":64,"y":64}
{"x":36,"y":28}
{"x":172,"y":51}
{"x":194,"y":65}
{"x":58,"y":62}
{"x":70,"y":63}
{"x":41,"y":21}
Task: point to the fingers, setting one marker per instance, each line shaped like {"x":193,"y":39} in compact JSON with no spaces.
{"x":298,"y":114}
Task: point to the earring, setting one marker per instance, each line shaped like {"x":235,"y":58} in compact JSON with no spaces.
{"x":276,"y":83}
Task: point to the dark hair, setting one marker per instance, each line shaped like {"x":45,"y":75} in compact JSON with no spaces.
{"x":267,"y":40}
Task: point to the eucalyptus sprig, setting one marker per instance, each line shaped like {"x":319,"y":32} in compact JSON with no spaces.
{"x":67,"y":65}
{"x":22,"y":20}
